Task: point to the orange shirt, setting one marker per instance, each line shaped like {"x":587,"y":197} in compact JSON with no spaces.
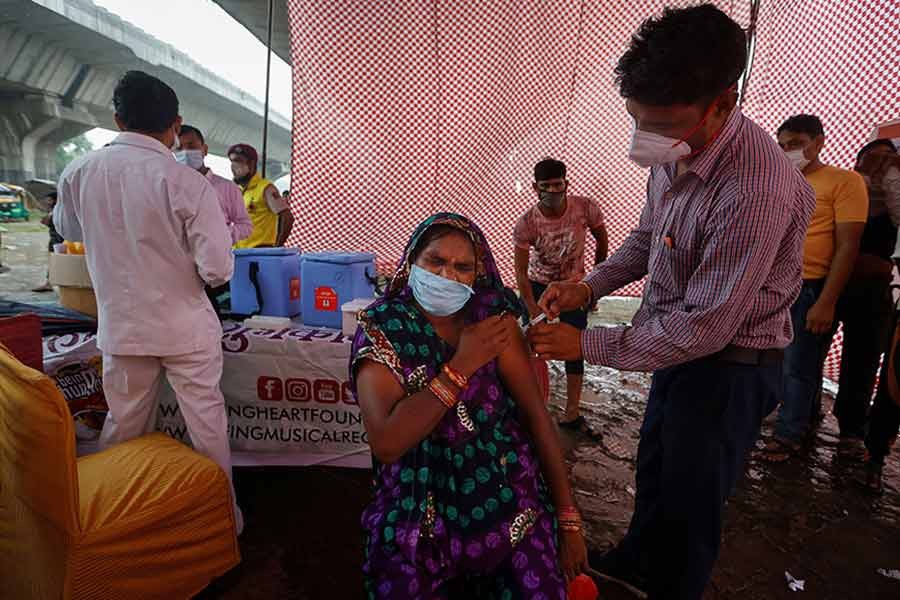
{"x":841,"y":197}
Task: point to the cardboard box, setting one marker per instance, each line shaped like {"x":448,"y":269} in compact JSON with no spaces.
{"x":78,"y":299}
{"x":69,"y":270}
{"x":69,"y":273}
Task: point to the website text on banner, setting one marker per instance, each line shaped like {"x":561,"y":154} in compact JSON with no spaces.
{"x":287,"y":398}
{"x":285,"y":393}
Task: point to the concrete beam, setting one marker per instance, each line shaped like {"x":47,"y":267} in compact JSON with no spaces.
{"x":74,"y":50}
{"x":253,"y":14}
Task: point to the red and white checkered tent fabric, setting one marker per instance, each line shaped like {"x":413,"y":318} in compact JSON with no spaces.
{"x":838,"y":59}
{"x":406,"y":107}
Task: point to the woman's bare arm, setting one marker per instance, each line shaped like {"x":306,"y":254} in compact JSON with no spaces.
{"x":395,"y":421}
{"x":518,"y":376}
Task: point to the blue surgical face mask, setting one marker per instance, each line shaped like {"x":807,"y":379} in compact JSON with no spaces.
{"x":436,"y":295}
{"x":190,"y":158}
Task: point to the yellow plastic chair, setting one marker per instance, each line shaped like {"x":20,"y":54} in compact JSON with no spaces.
{"x":149,"y":518}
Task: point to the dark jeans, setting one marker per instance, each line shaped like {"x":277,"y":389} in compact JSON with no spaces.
{"x":803,"y":362}
{"x":865,"y":309}
{"x":884,"y":423}
{"x":575,"y":318}
{"x":701,"y":421}
{"x":213,"y":295}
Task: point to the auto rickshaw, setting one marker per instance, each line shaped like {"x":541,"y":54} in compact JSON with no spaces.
{"x":12,"y":203}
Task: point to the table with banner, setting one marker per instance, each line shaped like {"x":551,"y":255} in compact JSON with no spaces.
{"x":286,"y":394}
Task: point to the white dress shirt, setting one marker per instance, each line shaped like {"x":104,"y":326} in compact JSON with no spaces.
{"x":153,"y":233}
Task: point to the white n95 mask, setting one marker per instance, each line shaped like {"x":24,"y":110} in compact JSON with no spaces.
{"x":798,"y":159}
{"x":649,"y":149}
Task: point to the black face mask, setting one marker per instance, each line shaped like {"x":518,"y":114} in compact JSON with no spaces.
{"x":242,"y":181}
{"x":551,"y":199}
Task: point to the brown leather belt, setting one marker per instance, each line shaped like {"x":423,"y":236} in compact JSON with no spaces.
{"x":749,"y":356}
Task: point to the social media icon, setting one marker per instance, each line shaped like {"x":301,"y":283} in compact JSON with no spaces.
{"x":270,"y":388}
{"x":326,"y":391}
{"x":298,"y":390}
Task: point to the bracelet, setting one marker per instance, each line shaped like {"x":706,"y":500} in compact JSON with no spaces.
{"x":569,"y":519}
{"x":570,"y":527}
{"x":590,"y":294}
{"x":457,"y":378}
{"x":440,"y":390}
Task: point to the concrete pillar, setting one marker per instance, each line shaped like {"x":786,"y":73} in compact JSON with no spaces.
{"x":30,"y":143}
{"x":31,"y":127}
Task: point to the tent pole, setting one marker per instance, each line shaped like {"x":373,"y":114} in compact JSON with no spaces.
{"x":265,"y":141}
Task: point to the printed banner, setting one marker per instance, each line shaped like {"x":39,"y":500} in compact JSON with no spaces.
{"x":73,"y":361}
{"x":287,"y":397}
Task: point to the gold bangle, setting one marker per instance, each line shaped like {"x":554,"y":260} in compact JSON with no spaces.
{"x":457,"y":378}
{"x":446,"y":397}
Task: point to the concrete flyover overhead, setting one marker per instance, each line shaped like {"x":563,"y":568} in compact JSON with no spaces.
{"x":59,"y":63}
{"x":254,"y":15}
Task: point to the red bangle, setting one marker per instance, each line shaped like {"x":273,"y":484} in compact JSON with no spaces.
{"x":457,"y":378}
{"x":446,"y":397}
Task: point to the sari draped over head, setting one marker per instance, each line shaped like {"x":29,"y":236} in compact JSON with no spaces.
{"x":469,"y":493}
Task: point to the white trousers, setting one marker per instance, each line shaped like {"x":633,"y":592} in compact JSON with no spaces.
{"x":131,"y":385}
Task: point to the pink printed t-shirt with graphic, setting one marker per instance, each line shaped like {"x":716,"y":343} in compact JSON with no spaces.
{"x":557,"y":243}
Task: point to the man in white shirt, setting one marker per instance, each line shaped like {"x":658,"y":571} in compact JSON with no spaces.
{"x":154,"y":235}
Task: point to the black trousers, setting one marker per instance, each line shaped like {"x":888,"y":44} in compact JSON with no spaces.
{"x":701,"y":421}
{"x":884,"y":422}
{"x":865,"y":309}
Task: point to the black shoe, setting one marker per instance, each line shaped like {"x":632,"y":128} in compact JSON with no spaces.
{"x":612,"y":566}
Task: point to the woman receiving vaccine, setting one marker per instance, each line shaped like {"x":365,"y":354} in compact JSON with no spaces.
{"x":471,"y":494}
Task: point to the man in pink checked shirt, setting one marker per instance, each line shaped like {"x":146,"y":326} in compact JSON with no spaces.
{"x":720,"y":240}
{"x":192,"y":149}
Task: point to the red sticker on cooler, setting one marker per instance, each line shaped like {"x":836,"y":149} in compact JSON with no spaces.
{"x":326,"y":299}
{"x":295,"y":288}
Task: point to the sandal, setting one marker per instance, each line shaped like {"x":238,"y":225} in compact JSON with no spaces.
{"x":778,"y":450}
{"x":574,"y":424}
{"x":581,"y":425}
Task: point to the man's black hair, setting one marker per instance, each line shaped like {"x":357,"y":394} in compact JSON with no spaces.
{"x":185,"y":129}
{"x":811,"y":125}
{"x":549,"y":168}
{"x":54,"y":195}
{"x":144,"y":103}
{"x":874,"y":144}
{"x":685,"y":56}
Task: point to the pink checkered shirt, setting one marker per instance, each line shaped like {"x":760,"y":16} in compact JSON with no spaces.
{"x":722,"y":246}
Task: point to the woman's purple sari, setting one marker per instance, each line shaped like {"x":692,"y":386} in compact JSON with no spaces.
{"x":467,"y":505}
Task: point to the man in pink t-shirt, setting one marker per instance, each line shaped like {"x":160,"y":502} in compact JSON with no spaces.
{"x":556,"y":230}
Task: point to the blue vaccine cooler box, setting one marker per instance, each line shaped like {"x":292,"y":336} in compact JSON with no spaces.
{"x":330,"y":280}
{"x":266,"y":281}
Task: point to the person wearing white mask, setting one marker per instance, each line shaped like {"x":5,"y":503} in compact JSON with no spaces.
{"x":192,"y":150}
{"x":269,"y":211}
{"x":720,"y":242}
{"x":154,"y":235}
{"x":865,"y":308}
{"x":830,"y":251}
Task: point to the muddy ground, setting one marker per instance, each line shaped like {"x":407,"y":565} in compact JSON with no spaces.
{"x":302,"y":538}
